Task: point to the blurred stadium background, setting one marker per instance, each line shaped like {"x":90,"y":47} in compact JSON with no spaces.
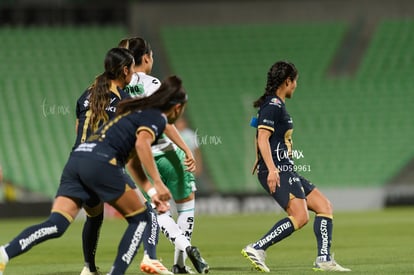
{"x":352,"y":109}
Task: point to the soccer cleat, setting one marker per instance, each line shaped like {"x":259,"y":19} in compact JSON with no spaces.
{"x":153,"y":266}
{"x":3,"y":260}
{"x":199,"y":263}
{"x":86,"y":271}
{"x":331,"y":265}
{"x":256,"y":257}
{"x":176,"y":269}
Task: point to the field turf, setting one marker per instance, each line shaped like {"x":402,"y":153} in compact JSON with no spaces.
{"x":375,"y":242}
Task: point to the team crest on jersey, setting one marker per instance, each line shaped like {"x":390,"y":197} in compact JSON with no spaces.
{"x":275,"y":101}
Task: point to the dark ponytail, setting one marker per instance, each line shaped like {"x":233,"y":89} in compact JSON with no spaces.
{"x":170,"y":93}
{"x":115,"y":61}
{"x":278,"y":73}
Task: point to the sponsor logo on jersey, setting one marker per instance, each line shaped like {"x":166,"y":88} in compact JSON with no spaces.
{"x":155,"y":128}
{"x":86,"y":103}
{"x":85,"y":147}
{"x":268,"y":122}
{"x":293,"y":179}
{"x":135,"y":90}
{"x":275,"y":101}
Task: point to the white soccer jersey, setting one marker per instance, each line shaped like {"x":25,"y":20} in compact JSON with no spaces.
{"x":143,"y":85}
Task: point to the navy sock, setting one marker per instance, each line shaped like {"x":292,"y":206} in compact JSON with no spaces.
{"x":279,"y":231}
{"x":322,"y":227}
{"x":130,"y":242}
{"x":53,"y":227}
{"x":90,"y":237}
{"x":151,"y":233}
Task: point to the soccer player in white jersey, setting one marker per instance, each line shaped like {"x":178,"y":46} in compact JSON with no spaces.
{"x":175,"y":163}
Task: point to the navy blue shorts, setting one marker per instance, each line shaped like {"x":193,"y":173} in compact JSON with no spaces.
{"x":93,"y":181}
{"x":292,"y":185}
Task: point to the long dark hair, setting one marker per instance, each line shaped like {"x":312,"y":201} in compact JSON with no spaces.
{"x":138,"y":46}
{"x":170,"y":93}
{"x":115,"y":61}
{"x":278,"y":73}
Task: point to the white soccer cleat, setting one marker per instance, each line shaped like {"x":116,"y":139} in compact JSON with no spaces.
{"x":86,"y":271}
{"x":331,"y":265}
{"x":2,"y":267}
{"x":153,"y":266}
{"x":256,"y":257}
{"x":3,"y":260}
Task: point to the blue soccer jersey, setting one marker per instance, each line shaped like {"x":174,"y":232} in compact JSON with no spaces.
{"x":114,"y":142}
{"x":274,"y":117}
{"x":83,"y":113}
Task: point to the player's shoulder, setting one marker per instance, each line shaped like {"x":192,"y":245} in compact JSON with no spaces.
{"x":148,"y":79}
{"x":83,"y":100}
{"x":153,"y":118}
{"x":151,"y":113}
{"x":273,"y":102}
{"x":84,"y":95}
{"x":150,"y":83}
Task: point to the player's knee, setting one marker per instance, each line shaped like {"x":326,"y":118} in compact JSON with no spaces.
{"x":301,"y":219}
{"x":139,"y":216}
{"x":325,"y":208}
{"x":94,"y":211}
{"x":329,"y":207}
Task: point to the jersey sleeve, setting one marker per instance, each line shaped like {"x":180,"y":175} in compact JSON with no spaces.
{"x":268,"y":116}
{"x":152,"y":122}
{"x":82,"y":104}
{"x":151,"y":86}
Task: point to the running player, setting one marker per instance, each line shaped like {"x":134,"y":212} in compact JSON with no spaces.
{"x":174,"y":164}
{"x":95,"y":171}
{"x":275,"y":170}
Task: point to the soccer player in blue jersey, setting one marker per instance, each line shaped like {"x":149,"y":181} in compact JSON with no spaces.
{"x":94,"y":107}
{"x":175,"y":162}
{"x":275,"y":170}
{"x":95,"y":171}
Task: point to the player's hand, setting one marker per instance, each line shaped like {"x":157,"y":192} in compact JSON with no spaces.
{"x":162,"y":206}
{"x":157,"y":203}
{"x":163,"y":192}
{"x":273,"y":181}
{"x":190,"y":162}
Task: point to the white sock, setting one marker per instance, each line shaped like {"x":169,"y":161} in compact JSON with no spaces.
{"x":179,"y":257}
{"x":185,"y":221}
{"x":185,"y":218}
{"x":173,"y":232}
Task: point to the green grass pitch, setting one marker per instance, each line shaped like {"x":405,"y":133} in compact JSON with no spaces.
{"x":374,"y":242}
